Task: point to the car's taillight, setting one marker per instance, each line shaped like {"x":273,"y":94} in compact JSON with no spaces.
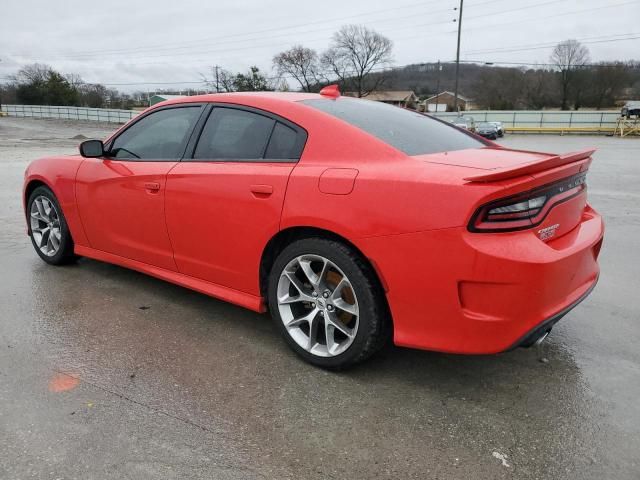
{"x":528,"y":209}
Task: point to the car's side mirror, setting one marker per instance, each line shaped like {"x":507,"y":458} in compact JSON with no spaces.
{"x":92,"y":148}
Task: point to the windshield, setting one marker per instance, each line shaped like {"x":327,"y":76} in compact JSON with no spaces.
{"x":410,"y":132}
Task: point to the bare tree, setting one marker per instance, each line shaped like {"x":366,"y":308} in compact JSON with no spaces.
{"x":226,"y":81}
{"x":280,"y":85}
{"x":74,"y":80}
{"x":93,"y":95}
{"x":252,"y":81}
{"x":538,"y":92}
{"x":302,"y":64}
{"x":568,"y":56}
{"x":355,"y":51}
{"x":34,"y":73}
{"x":607,"y":83}
{"x":223,"y":80}
{"x":499,"y":88}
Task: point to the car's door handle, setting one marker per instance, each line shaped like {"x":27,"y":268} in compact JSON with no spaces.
{"x":152,"y":187}
{"x":261,"y":190}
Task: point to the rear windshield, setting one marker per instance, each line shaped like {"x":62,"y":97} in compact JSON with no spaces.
{"x":408,"y":131}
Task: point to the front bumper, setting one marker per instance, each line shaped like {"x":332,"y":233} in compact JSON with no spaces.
{"x":488,"y":134}
{"x":455,"y":291}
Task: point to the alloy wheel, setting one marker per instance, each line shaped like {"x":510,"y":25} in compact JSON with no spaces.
{"x":45,"y":225}
{"x":317,"y":305}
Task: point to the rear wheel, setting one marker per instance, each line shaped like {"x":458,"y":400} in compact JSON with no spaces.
{"x":327,"y":303}
{"x":48,"y":228}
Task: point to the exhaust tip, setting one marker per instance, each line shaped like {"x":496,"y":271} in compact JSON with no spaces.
{"x":541,"y":338}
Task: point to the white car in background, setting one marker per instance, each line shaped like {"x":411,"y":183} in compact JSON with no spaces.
{"x":499,"y":128}
{"x":465,"y":122}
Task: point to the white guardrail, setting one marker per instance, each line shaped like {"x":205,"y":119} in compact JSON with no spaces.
{"x":604,"y":119}
{"x":70,"y":113}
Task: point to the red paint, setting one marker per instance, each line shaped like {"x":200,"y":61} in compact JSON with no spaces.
{"x":63,"y":382}
{"x":207,"y":224}
{"x":121,"y":204}
{"x":338,"y":181}
{"x":532,"y":166}
{"x":218,"y":224}
{"x":332,"y":91}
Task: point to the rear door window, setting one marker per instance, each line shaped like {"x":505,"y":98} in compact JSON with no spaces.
{"x":233,"y":134}
{"x":283,"y":144}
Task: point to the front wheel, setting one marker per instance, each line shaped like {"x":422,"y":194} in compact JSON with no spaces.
{"x":48,"y":228}
{"x":327,"y":303}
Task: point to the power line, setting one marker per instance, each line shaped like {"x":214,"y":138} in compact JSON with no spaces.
{"x":248,"y":47}
{"x":223,"y":49}
{"x":549,"y":46}
{"x":401,"y":38}
{"x":226,"y":39}
{"x":404,"y":27}
{"x":526,"y":7}
{"x":555,"y":15}
{"x":503,"y":50}
{"x":539,"y":64}
{"x":535,"y":46}
{"x":258,"y":33}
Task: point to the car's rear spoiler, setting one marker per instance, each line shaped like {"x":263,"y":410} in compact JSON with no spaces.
{"x":531,"y":167}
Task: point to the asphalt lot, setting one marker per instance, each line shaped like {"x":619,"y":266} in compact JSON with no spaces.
{"x":106,"y":373}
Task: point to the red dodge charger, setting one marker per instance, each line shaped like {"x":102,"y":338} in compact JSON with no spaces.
{"x":351,"y":221}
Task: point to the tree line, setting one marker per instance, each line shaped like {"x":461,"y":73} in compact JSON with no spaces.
{"x":359,"y":60}
{"x":354,"y":54}
{"x":40,"y":84}
{"x":570,"y":81}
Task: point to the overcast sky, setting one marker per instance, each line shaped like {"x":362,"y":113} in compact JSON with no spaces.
{"x":119,"y":42}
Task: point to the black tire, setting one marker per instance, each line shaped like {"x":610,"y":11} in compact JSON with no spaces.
{"x":374,"y":328}
{"x":64,"y":254}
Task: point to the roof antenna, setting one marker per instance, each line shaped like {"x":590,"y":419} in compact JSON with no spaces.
{"x":332,"y":91}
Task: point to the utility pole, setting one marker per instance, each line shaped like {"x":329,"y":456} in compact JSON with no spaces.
{"x":455,"y":98}
{"x":217,"y":79}
{"x":437,"y":84}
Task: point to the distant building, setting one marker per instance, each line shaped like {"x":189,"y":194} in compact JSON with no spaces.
{"x":161,"y":98}
{"x":444,"y":102}
{"x":399,"y":98}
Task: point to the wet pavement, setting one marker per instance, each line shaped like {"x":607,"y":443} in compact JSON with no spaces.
{"x":106,"y":373}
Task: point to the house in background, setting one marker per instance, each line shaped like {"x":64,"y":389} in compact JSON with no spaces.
{"x":444,"y":101}
{"x":398,"y":98}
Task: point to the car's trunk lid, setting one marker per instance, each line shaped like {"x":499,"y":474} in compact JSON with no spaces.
{"x":517,"y":172}
{"x":503,"y":163}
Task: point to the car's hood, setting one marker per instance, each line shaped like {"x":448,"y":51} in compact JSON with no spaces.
{"x":487,"y":158}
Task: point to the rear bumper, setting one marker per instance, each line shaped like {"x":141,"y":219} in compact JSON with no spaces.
{"x":455,"y":291}
{"x":540,"y":331}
